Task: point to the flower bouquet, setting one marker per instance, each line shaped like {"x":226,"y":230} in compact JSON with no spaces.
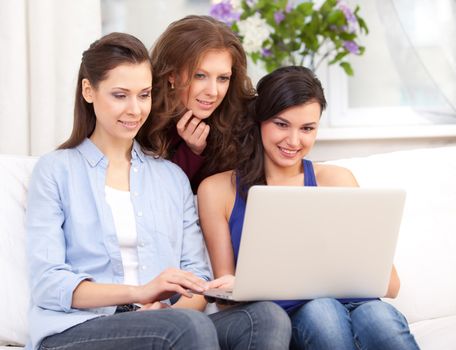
{"x":300,"y":32}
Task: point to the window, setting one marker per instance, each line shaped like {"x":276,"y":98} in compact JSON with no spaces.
{"x":407,"y":76}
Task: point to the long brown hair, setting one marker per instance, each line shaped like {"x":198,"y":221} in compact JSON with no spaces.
{"x":102,"y":56}
{"x":283,"y":88}
{"x":180,"y":48}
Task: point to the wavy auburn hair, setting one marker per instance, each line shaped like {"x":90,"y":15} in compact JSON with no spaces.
{"x":180,"y":49}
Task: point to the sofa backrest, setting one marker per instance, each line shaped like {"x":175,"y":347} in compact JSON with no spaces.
{"x":15,"y":172}
{"x":425,"y":256}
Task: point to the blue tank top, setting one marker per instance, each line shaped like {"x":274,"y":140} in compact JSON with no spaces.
{"x":237,"y":221}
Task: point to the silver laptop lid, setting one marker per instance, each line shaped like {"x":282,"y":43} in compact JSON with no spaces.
{"x":309,"y":242}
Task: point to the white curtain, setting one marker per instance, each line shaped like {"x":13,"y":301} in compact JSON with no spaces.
{"x":41,"y":46}
{"x":421,"y":37}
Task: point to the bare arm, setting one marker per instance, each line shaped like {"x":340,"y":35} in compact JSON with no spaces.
{"x":332,"y":175}
{"x":171,"y":281}
{"x":215,"y":200}
{"x":197,"y":302}
{"x":394,"y":284}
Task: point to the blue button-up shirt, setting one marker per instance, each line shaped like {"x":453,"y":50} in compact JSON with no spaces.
{"x":72,"y":237}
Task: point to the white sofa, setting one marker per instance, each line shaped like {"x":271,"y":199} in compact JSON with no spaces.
{"x":425,"y":257}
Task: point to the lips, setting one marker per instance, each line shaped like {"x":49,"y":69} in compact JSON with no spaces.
{"x":208,"y":103}
{"x":205,"y":105}
{"x":129,"y":125}
{"x":288,"y":152}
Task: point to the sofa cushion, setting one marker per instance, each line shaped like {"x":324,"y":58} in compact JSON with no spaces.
{"x":14,"y":292}
{"x":435,"y":334}
{"x":425,"y":257}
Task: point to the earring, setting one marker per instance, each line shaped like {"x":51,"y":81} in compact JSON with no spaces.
{"x":172,"y":86}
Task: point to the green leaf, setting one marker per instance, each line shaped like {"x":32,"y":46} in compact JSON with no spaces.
{"x":336,"y":18}
{"x":362,"y":25}
{"x":347,"y":68}
{"x":305,"y":9}
{"x":338,"y":57}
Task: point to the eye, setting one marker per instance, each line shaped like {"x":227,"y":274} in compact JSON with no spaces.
{"x":200,"y":76}
{"x":119,"y":95}
{"x":307,"y":129}
{"x":145,"y":95}
{"x":280,"y":124}
{"x":224,"y":78}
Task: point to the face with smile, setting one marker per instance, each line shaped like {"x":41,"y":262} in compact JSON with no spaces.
{"x":290,"y":135}
{"x":122,"y":102}
{"x":209,"y":83}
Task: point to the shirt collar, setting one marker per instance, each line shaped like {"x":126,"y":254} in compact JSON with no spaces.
{"x":136,"y":152}
{"x":94,"y":156}
{"x":90,"y":152}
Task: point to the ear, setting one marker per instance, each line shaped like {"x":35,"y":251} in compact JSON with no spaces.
{"x":171,"y":79}
{"x":87,"y":90}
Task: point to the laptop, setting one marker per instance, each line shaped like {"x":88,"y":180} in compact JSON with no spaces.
{"x":313,"y":242}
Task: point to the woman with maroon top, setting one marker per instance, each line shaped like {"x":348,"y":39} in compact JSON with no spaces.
{"x":200,"y":91}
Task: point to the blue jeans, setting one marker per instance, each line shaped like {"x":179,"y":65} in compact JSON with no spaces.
{"x":153,"y":329}
{"x":328,"y":324}
{"x":261,"y":325}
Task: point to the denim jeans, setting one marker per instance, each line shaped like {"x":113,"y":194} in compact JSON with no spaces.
{"x":328,"y":324}
{"x":153,"y":329}
{"x":262,"y":325}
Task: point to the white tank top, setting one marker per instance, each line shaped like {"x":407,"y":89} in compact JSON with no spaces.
{"x":125,"y":224}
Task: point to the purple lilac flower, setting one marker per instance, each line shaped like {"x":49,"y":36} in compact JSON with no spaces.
{"x":347,"y":12}
{"x":279,"y":17}
{"x":266,"y":52}
{"x":352,"y":47}
{"x":289,"y":7}
{"x":223,"y":11}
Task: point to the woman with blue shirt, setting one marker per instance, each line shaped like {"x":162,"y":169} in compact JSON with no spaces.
{"x":113,"y":234}
{"x":280,"y":130}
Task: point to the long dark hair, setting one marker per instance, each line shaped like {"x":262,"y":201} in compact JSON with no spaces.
{"x":102,"y":56}
{"x":180,"y":48}
{"x":283,"y":88}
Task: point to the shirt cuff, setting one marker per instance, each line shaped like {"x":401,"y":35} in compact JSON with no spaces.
{"x":66,"y":292}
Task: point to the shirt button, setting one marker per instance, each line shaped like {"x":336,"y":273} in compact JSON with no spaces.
{"x":140,"y":213}
{"x":135,"y":169}
{"x":141,"y":244}
{"x":136,"y":194}
{"x":143,"y":267}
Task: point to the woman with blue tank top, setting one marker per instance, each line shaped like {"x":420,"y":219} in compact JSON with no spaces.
{"x":280,"y":130}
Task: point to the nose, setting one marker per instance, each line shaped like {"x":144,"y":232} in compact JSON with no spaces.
{"x":134,"y":108}
{"x":211,"y":87}
{"x":293,"y":138}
